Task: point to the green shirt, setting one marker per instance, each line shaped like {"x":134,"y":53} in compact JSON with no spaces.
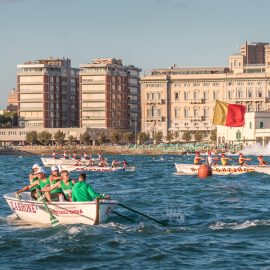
{"x":56,"y":190}
{"x":83,"y":192}
{"x":67,"y":189}
{"x":31,"y":182}
{"x":42,"y":184}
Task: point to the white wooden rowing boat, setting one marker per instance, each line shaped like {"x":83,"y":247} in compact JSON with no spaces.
{"x":63,"y":161}
{"x":72,"y":168}
{"x":191,"y":169}
{"x":92,"y":213}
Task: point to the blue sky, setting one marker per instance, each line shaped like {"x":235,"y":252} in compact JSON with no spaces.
{"x":145,"y":33}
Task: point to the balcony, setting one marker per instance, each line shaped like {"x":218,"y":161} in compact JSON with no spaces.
{"x":195,"y":118}
{"x":155,"y":118}
{"x":156,"y":101}
{"x":198,"y":101}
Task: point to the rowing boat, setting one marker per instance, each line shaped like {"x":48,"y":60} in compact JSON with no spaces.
{"x":91,"y":213}
{"x":63,"y":161}
{"x":80,"y":168}
{"x":191,"y":169}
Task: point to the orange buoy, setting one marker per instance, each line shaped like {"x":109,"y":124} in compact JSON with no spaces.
{"x":204,"y":171}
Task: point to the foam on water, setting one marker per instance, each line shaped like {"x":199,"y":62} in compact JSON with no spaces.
{"x":238,"y":226}
{"x":257,"y":149}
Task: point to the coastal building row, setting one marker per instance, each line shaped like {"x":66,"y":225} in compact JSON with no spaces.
{"x":178,"y":100}
{"x":105,"y":94}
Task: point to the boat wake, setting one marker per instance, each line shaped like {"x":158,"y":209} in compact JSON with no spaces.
{"x":238,"y":226}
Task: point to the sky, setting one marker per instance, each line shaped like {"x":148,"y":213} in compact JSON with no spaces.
{"x":148,"y":34}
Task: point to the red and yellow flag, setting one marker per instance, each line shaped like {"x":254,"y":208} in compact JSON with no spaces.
{"x":231,"y":115}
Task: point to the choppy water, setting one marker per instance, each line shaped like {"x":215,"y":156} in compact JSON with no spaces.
{"x":221,"y":222}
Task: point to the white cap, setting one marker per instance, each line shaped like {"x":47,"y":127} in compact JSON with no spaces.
{"x":54,"y":168}
{"x":60,"y":168}
{"x":40,"y":170}
{"x":35,"y":166}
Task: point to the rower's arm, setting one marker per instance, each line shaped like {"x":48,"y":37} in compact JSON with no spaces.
{"x":28,"y":187}
{"x":93,"y":194}
{"x":50,"y":188}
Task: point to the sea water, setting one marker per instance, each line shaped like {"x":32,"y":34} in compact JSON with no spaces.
{"x":222,"y":222}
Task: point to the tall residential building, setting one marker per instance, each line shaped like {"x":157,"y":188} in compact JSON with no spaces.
{"x":183,"y":99}
{"x":109,"y":95}
{"x":48,"y":93}
{"x":13,"y":101}
{"x":254,"y":52}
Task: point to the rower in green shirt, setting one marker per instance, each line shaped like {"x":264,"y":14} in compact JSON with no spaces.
{"x":83,"y":192}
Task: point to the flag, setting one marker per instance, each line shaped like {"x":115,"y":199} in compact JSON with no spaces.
{"x":230,"y":115}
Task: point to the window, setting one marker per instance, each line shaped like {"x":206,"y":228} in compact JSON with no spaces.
{"x":195,"y":112}
{"x":186,"y":112}
{"x":215,"y":95}
{"x":249,"y":93}
{"x":230,"y":94}
{"x":240,"y":94}
{"x":261,"y":124}
{"x":205,"y":95}
{"x":260,"y":107}
{"x":176,"y":96}
{"x":196,"y":95}
{"x":185,"y":95}
{"x":250,"y":125}
{"x":205,"y":112}
{"x":176,"y":112}
{"x":259,"y":93}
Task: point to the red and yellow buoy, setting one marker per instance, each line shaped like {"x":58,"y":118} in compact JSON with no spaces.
{"x":204,"y":171}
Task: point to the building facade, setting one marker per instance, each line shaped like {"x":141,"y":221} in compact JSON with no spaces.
{"x":182,"y":99}
{"x":48,"y":92}
{"x":109,"y":95}
{"x":256,"y":129}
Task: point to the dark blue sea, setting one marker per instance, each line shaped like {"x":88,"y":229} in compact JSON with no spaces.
{"x":222,"y":222}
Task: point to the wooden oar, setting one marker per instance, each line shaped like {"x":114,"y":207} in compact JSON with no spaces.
{"x":53,"y":219}
{"x":122,"y":216}
{"x":142,"y":214}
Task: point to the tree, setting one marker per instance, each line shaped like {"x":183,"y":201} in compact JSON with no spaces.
{"x":186,"y":136}
{"x":213,"y":136}
{"x":169,"y":136}
{"x":198,"y":136}
{"x":71,"y":139}
{"x":143,"y":137}
{"x":31,"y":137}
{"x":115,"y":137}
{"x":128,"y":137}
{"x":101,"y":137}
{"x":85,"y":138}
{"x":158,"y":136}
{"x":59,"y":137}
{"x":44,"y":137}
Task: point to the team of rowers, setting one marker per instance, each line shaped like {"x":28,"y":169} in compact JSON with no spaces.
{"x":99,"y":161}
{"x":58,"y":186}
{"x":225,"y":160}
{"x":75,"y":156}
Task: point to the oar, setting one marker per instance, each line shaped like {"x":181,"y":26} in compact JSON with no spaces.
{"x":54,"y":220}
{"x":142,"y":214}
{"x":122,"y":216}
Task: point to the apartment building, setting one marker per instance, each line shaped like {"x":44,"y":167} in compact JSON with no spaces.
{"x":109,"y":95}
{"x":48,"y":93}
{"x":183,"y":99}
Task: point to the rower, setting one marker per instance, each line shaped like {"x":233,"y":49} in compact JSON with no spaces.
{"x":197,"y":159}
{"x":56,"y":194}
{"x":210,"y":159}
{"x":83,"y":192}
{"x":224,"y":160}
{"x":115,"y":163}
{"x":85,"y":156}
{"x":54,"y":154}
{"x":74,"y":155}
{"x":242,"y":159}
{"x":262,"y":162}
{"x":125,"y":164}
{"x":42,"y":182}
{"x":65,"y":155}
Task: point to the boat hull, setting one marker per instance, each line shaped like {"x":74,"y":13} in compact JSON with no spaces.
{"x":62,"y":161}
{"x":191,"y":169}
{"x":71,"y":168}
{"x":91,"y":213}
